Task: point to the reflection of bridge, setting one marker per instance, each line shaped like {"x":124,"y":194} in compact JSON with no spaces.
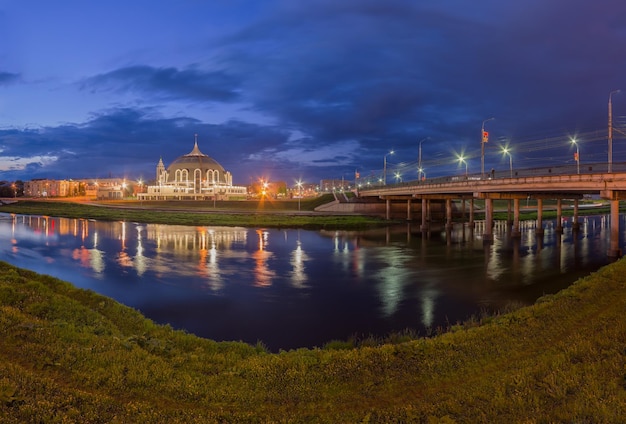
{"x":609,"y":186}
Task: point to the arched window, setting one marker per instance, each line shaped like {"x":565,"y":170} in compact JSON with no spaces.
{"x":197,"y":179}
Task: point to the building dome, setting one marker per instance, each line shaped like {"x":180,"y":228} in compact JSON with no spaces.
{"x":194,"y":176}
{"x":196,"y":165}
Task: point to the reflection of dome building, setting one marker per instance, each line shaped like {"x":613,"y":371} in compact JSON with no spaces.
{"x":193,"y":176}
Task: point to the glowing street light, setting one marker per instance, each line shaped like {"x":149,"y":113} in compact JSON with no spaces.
{"x":420,"y":170}
{"x":576,"y":156}
{"x":299,"y":184}
{"x":385,"y":167}
{"x":484,"y":138}
{"x":506,"y":151}
{"x":398,"y":177}
{"x":462,"y":160}
{"x":610,"y":162}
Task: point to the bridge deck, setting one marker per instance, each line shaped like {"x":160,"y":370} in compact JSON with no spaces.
{"x":560,"y":185}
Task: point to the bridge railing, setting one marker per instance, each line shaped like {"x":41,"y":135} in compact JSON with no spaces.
{"x":585,"y":168}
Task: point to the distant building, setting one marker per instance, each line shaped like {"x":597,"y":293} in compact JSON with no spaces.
{"x":52,"y":188}
{"x":194,"y":176}
{"x":111,"y":188}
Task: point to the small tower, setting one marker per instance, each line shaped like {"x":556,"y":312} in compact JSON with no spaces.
{"x":160,"y":172}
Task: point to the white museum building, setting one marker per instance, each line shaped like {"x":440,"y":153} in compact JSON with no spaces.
{"x":194,"y":176}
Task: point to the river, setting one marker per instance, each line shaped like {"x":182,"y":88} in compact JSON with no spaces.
{"x":295,"y":288}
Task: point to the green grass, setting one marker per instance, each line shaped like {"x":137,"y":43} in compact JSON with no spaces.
{"x":70,"y":355}
{"x":283,"y":214}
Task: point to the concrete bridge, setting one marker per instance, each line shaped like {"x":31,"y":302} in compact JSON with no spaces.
{"x":609,"y":186}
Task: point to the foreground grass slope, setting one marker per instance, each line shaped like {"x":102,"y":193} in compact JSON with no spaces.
{"x":69,"y":355}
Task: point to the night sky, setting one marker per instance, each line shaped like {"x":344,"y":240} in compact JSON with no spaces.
{"x":304,"y":90}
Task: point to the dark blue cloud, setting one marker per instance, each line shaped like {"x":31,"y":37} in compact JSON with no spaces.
{"x":193,"y":84}
{"x":7,"y":78}
{"x":129,"y":142}
{"x":389,"y":74}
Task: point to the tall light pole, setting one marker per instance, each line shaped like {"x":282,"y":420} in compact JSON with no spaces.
{"x":484,"y":137}
{"x":610,"y":161}
{"x":462,"y":160}
{"x":419,"y":159}
{"x":299,"y":184}
{"x":577,"y":156}
{"x":506,"y":151}
{"x":385,"y":168}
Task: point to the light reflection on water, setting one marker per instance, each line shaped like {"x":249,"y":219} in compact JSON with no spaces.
{"x":296,"y":288}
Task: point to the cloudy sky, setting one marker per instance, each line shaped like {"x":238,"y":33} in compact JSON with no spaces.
{"x":309,"y":89}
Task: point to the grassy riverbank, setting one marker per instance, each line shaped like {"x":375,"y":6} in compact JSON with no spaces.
{"x":282,"y":214}
{"x":69,"y":355}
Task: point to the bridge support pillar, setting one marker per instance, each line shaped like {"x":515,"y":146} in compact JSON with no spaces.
{"x":448,"y":214}
{"x":575,"y":223}
{"x":539,"y":229}
{"x":509,"y":223}
{"x":463,"y":209}
{"x":387,"y":209}
{"x":408,"y":210}
{"x":471,"y":213}
{"x":559,"y":216}
{"x":488,"y":233}
{"x":515,"y":232}
{"x":424,"y":226}
{"x":614,"y":250}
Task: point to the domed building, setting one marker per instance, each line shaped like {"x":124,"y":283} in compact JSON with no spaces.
{"x":194,"y":176}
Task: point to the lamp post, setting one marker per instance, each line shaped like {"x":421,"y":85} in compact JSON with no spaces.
{"x":299,"y":184}
{"x":610,"y":161}
{"x":506,"y":151}
{"x":577,"y":156}
{"x":385,"y":168}
{"x":419,"y":159}
{"x":422,"y":173}
{"x":483,"y":139}
{"x":462,"y":160}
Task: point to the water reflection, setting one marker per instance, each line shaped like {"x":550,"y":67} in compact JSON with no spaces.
{"x":292,"y":288}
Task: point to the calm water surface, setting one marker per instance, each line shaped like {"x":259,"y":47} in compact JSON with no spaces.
{"x":296,"y":288}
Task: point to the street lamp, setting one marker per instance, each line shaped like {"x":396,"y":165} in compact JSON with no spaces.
{"x":385,"y":168}
{"x":422,"y":173}
{"x":484,"y":137}
{"x":398,"y":177}
{"x":299,"y":184}
{"x":419,"y":159}
{"x":462,"y":160}
{"x":506,"y":151}
{"x":576,"y":156}
{"x":610,"y":164}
